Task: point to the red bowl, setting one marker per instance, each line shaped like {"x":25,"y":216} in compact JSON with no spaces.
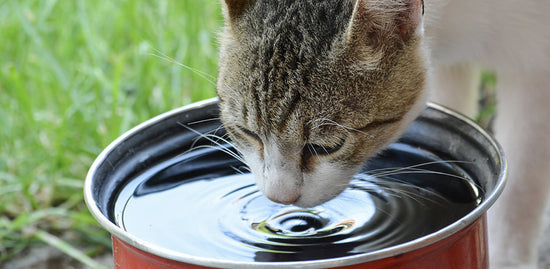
{"x":462,"y":244}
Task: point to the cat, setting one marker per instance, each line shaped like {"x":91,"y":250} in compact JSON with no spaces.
{"x":310,"y":89}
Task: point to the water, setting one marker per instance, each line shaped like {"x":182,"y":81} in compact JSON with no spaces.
{"x":202,"y":204}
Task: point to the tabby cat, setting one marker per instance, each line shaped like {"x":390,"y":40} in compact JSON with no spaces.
{"x":310,"y":89}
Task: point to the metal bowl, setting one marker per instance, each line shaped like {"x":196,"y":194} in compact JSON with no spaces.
{"x":463,"y":244}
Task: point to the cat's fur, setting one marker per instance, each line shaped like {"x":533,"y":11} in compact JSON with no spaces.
{"x":310,"y":89}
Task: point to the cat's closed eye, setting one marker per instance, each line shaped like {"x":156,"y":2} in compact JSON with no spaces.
{"x":317,"y":149}
{"x":249,"y":136}
{"x":381,"y":123}
{"x":312,"y":149}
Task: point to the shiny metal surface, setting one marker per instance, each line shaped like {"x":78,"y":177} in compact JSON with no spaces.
{"x":437,"y":130}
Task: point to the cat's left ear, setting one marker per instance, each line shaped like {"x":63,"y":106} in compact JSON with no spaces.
{"x":376,"y":22}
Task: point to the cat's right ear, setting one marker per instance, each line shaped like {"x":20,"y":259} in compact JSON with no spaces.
{"x":234,"y":9}
{"x":378,"y":22}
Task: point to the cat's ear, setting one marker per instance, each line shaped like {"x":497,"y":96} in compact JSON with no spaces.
{"x":234,"y":9}
{"x":377,"y":22}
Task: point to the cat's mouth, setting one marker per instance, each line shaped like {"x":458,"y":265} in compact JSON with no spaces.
{"x":288,"y":200}
{"x":307,"y":196}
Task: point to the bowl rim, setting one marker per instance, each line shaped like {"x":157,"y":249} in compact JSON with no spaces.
{"x":416,"y":244}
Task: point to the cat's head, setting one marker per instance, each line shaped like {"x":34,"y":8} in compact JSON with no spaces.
{"x":310,"y":89}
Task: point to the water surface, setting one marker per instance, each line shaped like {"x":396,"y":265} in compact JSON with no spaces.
{"x":202,"y":203}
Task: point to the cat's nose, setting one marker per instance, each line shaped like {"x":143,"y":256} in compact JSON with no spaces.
{"x":286,"y":200}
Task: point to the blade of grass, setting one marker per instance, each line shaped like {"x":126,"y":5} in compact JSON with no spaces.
{"x":67,"y":248}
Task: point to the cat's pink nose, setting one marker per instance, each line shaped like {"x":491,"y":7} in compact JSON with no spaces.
{"x":288,"y":200}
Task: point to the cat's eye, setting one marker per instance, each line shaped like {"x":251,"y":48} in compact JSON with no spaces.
{"x":251,"y":134}
{"x":316,"y":149}
{"x":380,"y":123}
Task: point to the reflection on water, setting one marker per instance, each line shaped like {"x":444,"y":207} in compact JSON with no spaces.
{"x":199,"y":204}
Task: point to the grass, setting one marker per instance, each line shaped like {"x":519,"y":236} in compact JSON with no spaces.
{"x":74,"y":75}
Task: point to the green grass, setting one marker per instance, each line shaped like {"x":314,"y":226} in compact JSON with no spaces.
{"x":74,"y":75}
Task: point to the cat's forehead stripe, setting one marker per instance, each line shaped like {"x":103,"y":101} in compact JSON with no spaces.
{"x":291,"y":107}
{"x":284,"y":50}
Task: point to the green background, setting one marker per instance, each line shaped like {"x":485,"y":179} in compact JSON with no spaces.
{"x":74,"y":75}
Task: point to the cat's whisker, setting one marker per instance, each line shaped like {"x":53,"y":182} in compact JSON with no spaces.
{"x":210,"y":137}
{"x":247,"y":169}
{"x":226,"y":136}
{"x":167,"y":58}
{"x":410,"y":167}
{"x":316,"y":154}
{"x":425,"y":171}
{"x":469,"y":180}
{"x":220,"y":148}
{"x":400,"y":191}
{"x":237,"y":155}
{"x":212,"y":131}
{"x":402,"y":183}
{"x":208,"y":77}
{"x":329,"y":122}
{"x":324,"y":148}
{"x":396,"y":180}
{"x":419,"y":171}
{"x":374,"y":191}
{"x":240,"y":169}
{"x":205,"y":120}
{"x":387,"y":173}
{"x":409,"y":194}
